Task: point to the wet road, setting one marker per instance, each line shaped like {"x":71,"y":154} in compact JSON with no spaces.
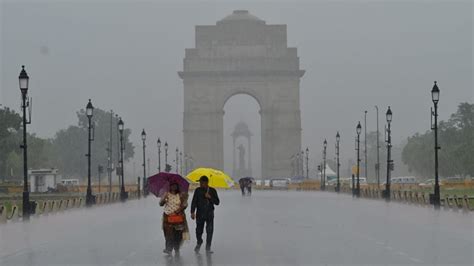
{"x":269,"y":228}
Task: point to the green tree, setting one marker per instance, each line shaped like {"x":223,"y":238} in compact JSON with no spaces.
{"x":10,"y":123}
{"x":13,"y":166}
{"x":70,"y":145}
{"x":456,"y":139}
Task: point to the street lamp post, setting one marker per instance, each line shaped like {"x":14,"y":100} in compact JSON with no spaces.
{"x":89,"y":112}
{"x":325,"y":144}
{"x":191,"y":163}
{"x":166,"y":156}
{"x":307,"y":163}
{"x":302,"y":162}
{"x":123,"y":194}
{"x":358,"y":130}
{"x":177,"y":161}
{"x":377,"y":165}
{"x":158,"y":143}
{"x":292,"y":160}
{"x":338,"y":184}
{"x":28,"y":207}
{"x":181,"y":162}
{"x":186,"y":164}
{"x":365,"y":147}
{"x":297,"y":164}
{"x":110,"y":164}
{"x":435,"y":198}
{"x":145,"y":192}
{"x":388,"y":115}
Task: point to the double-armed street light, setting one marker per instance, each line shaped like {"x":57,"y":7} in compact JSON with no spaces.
{"x":90,"y":199}
{"x":338,"y":184}
{"x":358,"y":131}
{"x":388,"y":130}
{"x":435,"y":198}
{"x":158,"y":144}
{"x":28,"y":207}
{"x":123,"y":194}
{"x":144,"y":165}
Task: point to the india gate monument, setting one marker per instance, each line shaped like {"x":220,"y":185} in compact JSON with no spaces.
{"x":242,"y":54}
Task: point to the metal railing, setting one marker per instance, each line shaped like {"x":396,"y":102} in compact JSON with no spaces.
{"x":10,"y":212}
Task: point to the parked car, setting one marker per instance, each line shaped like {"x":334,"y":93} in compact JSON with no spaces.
{"x":279,"y":183}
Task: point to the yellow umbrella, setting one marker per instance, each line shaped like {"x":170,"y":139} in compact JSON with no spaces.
{"x":217,"y":179}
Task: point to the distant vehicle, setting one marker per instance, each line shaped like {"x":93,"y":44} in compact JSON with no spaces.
{"x":362,"y":181}
{"x":454,"y":179}
{"x":404,"y":180}
{"x":280,"y":182}
{"x":70,"y":182}
{"x":428,"y":183}
{"x":297,"y":179}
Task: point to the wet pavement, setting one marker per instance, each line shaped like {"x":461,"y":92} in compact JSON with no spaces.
{"x":269,"y":228}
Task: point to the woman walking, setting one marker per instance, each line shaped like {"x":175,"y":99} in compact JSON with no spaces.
{"x":175,"y":227}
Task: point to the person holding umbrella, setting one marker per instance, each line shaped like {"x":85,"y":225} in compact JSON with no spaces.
{"x":204,"y":199}
{"x":172,"y":189}
{"x":175,"y":227}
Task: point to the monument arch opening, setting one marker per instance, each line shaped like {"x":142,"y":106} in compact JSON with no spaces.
{"x":242,"y":137}
{"x":241,"y":54}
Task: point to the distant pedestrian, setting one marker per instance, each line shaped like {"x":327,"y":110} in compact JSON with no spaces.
{"x":175,"y":227}
{"x":242,"y":186}
{"x":249,"y":186}
{"x":202,"y":209}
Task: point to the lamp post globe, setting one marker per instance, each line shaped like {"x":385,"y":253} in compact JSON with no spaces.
{"x":120,"y":125}
{"x":435,"y":93}
{"x":89,"y":109}
{"x":389,"y":115}
{"x":24,"y":80}
{"x":143,"y":135}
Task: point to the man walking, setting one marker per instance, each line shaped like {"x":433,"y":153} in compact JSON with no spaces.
{"x":204,"y":199}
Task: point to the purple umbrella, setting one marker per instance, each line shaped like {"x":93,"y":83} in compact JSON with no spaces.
{"x":160,"y":183}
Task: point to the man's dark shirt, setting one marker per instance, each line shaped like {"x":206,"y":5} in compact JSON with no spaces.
{"x":204,"y":206}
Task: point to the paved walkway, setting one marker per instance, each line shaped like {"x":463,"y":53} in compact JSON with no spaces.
{"x":269,"y":228}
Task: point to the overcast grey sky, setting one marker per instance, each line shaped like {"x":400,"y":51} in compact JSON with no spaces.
{"x":125,"y":55}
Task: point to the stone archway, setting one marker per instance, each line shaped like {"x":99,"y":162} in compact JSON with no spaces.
{"x":241,"y":54}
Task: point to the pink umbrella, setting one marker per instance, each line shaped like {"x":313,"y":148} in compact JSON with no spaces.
{"x":160,"y":183}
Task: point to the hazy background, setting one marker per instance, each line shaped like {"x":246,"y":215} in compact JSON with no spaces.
{"x":125,"y":55}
